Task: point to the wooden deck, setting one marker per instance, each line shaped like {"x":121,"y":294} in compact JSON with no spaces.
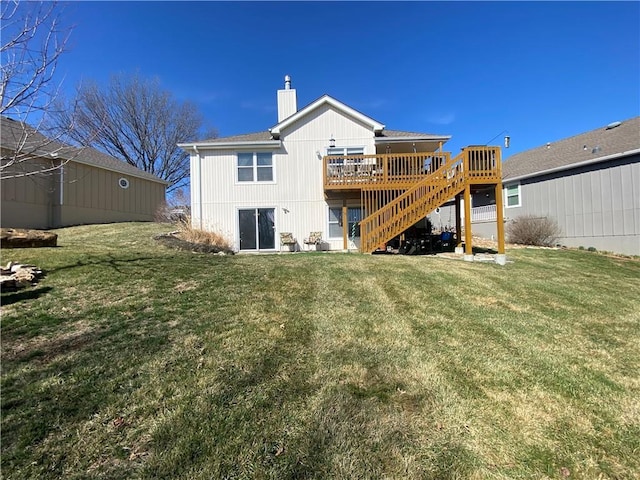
{"x":397,"y":190}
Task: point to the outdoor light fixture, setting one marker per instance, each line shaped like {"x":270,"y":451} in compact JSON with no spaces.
{"x":507,"y":139}
{"x":332,"y":142}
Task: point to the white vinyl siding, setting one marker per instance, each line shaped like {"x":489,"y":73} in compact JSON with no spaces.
{"x":297,"y":190}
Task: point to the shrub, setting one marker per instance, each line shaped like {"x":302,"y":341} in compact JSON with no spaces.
{"x":532,"y":230}
{"x":592,"y":249}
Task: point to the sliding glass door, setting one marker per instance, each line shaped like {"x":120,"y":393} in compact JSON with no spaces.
{"x":257,"y":229}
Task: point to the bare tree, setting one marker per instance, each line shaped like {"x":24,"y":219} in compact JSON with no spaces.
{"x":33,"y":39}
{"x":135,"y":120}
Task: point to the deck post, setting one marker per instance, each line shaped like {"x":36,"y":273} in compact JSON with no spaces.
{"x":458,"y":222}
{"x":345,"y":227}
{"x":500,"y":258}
{"x":468,"y":248}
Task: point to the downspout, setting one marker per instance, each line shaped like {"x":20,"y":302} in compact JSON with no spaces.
{"x":195,"y":149}
{"x":59,"y":215}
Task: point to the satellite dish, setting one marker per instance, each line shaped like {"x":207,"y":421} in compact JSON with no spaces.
{"x":613,"y":125}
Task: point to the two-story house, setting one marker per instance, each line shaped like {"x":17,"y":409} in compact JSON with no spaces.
{"x":328,"y":168}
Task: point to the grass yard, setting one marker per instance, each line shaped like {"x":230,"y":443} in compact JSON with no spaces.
{"x":129,"y":360}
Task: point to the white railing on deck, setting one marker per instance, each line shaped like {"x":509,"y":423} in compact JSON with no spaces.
{"x":483,"y":214}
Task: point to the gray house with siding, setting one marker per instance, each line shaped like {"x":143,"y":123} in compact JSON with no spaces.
{"x":588,"y":183}
{"x":48,"y":184}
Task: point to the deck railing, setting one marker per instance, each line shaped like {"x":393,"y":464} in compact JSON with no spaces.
{"x":485,"y":213}
{"x":472,"y":165}
{"x":483,"y":163}
{"x":344,"y":172}
{"x":394,"y":170}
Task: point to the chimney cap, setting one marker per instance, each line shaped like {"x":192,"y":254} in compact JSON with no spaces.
{"x":287,"y":82}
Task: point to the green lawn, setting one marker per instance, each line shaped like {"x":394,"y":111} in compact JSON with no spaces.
{"x":130,"y":360}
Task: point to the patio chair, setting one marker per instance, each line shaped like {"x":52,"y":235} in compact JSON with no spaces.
{"x":286,"y":238}
{"x":315,"y":238}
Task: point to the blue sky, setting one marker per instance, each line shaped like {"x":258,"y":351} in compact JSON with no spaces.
{"x":539,"y":70}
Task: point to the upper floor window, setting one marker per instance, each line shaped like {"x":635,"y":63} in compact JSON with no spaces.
{"x":342,"y":151}
{"x":255,"y":167}
{"x":512,"y":195}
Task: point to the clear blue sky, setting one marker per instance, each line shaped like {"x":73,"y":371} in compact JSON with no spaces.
{"x":540,"y":70}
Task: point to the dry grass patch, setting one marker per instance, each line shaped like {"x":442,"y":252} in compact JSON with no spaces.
{"x":196,"y":235}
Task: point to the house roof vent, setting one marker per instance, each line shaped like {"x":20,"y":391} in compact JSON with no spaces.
{"x":613,"y":125}
{"x":287,"y":82}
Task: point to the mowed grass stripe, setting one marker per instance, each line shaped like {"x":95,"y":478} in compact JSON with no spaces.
{"x":130,"y":360}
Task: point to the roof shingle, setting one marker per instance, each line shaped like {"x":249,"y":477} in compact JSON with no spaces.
{"x":13,"y":133}
{"x":601,"y":142}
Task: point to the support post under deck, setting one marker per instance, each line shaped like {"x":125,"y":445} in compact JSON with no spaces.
{"x":458,"y":221}
{"x":468,"y":248}
{"x":500,"y":258}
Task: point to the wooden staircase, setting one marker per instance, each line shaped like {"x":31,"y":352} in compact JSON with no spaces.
{"x":475,"y":165}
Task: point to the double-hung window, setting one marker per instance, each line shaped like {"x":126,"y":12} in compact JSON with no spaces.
{"x":341,"y":151}
{"x":512,"y":195}
{"x":255,"y":167}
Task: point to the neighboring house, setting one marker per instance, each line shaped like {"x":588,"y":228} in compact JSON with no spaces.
{"x":66,"y":185}
{"x":589,"y":184}
{"x":326,"y":168}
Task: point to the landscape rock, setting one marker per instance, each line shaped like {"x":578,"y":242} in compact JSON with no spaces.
{"x":15,"y":276}
{"x":23,"y":238}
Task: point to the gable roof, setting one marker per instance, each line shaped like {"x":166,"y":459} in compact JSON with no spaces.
{"x":14,"y":133}
{"x":614,"y":140}
{"x":271,"y":137}
{"x":326,"y":100}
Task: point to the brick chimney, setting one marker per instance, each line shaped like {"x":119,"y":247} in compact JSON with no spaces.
{"x":287,"y":100}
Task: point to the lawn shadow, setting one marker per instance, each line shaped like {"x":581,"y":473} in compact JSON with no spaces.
{"x":491,"y":251}
{"x":110,"y":261}
{"x":9,"y":298}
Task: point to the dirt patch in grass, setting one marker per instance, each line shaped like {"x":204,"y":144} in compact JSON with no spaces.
{"x":44,"y":348}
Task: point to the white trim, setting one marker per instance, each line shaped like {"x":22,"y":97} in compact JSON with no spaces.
{"x":326,"y":100}
{"x":427,"y":138}
{"x":276,"y":234}
{"x":259,"y":144}
{"x":255,"y":170}
{"x":200,"y":186}
{"x":344,"y":150}
{"x":572,"y":165}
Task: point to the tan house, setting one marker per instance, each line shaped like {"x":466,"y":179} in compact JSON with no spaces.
{"x":49,"y":184}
